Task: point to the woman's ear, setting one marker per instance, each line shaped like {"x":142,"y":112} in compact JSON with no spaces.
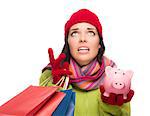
{"x":99,"y":46}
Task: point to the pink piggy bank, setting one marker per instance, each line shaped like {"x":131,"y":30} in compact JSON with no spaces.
{"x":117,"y":81}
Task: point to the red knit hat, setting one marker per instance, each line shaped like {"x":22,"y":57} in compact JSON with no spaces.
{"x":83,"y":15}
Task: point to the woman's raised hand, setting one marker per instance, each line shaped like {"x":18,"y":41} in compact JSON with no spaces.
{"x":59,"y":68}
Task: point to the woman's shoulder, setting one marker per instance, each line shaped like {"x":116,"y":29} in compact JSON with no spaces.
{"x":44,"y":76}
{"x":108,"y":62}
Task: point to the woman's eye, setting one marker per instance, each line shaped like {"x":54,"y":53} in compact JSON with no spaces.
{"x":91,"y":33}
{"x":74,"y":34}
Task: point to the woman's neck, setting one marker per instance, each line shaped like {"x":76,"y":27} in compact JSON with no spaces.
{"x":83,"y":65}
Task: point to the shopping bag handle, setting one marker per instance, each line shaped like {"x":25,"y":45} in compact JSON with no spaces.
{"x":65,"y":80}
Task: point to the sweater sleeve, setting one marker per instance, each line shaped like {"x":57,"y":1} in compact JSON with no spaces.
{"x":46,"y":78}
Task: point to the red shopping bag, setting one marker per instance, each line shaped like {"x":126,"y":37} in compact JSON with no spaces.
{"x":30,"y":101}
{"x":1,"y":114}
{"x":51,"y":105}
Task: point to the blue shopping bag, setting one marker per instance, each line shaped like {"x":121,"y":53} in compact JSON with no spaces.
{"x":67,"y":105}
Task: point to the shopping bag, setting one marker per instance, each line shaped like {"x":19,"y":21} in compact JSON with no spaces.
{"x":51,"y":105}
{"x":1,"y":114}
{"x":29,"y":101}
{"x":66,"y":107}
{"x":71,"y":107}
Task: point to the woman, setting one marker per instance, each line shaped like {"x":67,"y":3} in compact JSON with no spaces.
{"x":84,"y":49}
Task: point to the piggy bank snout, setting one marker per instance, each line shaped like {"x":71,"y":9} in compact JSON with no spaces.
{"x":118,"y":85}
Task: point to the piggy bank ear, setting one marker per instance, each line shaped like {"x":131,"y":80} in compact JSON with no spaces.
{"x":108,"y":69}
{"x":129,"y":73}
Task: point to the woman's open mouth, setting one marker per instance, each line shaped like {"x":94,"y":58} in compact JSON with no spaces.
{"x":83,"y":50}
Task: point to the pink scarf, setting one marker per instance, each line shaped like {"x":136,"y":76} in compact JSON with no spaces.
{"x":90,"y":76}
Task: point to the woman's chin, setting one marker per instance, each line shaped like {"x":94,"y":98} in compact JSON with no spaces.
{"x":83,"y":57}
{"x":84,"y":60}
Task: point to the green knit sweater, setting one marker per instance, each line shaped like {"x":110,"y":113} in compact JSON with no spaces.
{"x":89,"y":103}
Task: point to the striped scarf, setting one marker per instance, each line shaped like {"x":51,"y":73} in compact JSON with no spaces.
{"x":90,"y":76}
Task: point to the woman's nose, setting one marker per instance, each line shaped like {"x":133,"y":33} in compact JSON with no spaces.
{"x":82,"y":38}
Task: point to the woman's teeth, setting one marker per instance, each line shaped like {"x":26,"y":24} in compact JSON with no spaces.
{"x":83,"y":50}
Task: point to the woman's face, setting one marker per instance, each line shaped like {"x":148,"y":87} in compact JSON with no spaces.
{"x":83,"y":40}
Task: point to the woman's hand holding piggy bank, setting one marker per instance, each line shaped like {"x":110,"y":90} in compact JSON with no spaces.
{"x":116,"y":86}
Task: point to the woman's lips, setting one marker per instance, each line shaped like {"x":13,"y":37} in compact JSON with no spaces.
{"x":83,"y":50}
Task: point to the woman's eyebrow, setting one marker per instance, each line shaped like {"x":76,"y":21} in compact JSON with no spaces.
{"x":91,"y":28}
{"x":74,"y":29}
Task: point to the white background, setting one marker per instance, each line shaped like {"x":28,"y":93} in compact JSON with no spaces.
{"x":28,"y":28}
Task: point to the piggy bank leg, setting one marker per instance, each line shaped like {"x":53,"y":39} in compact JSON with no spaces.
{"x":106,"y":94}
{"x":124,"y":96}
